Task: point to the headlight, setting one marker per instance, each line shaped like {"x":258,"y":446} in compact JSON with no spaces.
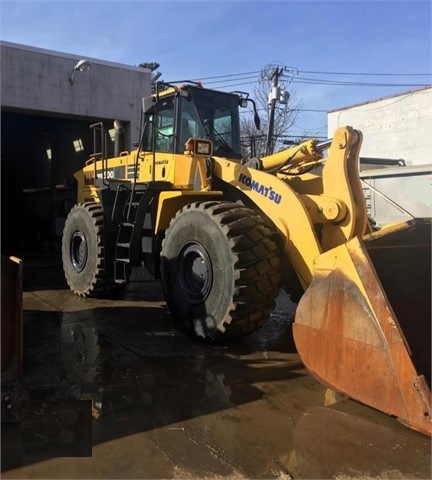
{"x":199,"y":146}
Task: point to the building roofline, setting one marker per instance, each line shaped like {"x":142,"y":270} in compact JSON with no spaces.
{"x":379,"y":99}
{"x":72,"y":56}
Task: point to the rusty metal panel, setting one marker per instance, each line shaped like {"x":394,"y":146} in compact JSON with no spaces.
{"x":12,"y":394}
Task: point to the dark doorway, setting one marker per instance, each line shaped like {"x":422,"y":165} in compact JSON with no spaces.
{"x":39,"y":155}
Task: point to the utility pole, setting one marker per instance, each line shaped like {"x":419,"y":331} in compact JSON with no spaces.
{"x":273,"y":97}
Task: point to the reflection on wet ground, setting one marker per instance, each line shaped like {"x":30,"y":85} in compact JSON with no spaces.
{"x":116,"y":391}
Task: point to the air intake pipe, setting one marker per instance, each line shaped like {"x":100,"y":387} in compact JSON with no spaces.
{"x":119,"y":138}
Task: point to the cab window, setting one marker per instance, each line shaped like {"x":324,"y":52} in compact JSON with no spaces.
{"x":190,"y":124}
{"x":162,"y":126}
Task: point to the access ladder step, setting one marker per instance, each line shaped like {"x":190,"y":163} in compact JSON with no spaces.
{"x":121,"y":271}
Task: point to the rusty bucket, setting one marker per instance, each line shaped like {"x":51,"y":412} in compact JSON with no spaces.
{"x":364,"y":325}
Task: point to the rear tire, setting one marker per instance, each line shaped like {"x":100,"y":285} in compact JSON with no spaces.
{"x":219,"y":270}
{"x":84,"y":252}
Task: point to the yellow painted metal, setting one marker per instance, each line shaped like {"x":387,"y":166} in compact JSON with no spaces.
{"x":324,"y":209}
{"x":180,"y":170}
{"x":337,"y":192}
{"x":184,"y":171}
{"x":283,"y":206}
{"x":341,"y":180}
{"x":299,"y":153}
{"x":170,"y":202}
{"x":333,"y":200}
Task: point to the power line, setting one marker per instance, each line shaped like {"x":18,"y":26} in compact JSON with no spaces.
{"x":312,"y":110}
{"x":364,"y":74}
{"x":317,"y":81}
{"x":231,"y":75}
{"x":249,"y":78}
{"x":233,"y":85}
{"x":255,"y":78}
{"x":235,"y":80}
{"x":370,"y":74}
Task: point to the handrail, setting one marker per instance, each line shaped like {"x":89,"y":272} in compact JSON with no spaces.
{"x":100,"y":127}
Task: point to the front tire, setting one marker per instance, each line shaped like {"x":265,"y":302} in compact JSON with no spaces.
{"x":84,"y":253}
{"x":219,"y":270}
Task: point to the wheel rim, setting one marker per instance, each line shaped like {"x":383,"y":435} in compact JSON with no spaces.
{"x":194,"y":273}
{"x":78,"y":250}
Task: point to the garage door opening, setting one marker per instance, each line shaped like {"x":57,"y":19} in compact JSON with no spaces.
{"x":39,"y":155}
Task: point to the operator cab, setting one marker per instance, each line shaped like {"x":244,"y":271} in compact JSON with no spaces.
{"x":173,"y":116}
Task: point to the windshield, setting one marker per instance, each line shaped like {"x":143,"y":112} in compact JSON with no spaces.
{"x":213,"y":115}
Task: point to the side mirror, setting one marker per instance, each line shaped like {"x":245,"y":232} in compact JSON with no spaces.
{"x":257,"y":121}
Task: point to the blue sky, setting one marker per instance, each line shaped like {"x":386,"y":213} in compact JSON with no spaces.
{"x":207,"y":39}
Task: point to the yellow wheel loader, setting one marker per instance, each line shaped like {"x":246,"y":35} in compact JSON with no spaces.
{"x":224,"y":234}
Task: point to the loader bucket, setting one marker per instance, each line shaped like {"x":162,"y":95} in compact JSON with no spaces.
{"x":363,"y":327}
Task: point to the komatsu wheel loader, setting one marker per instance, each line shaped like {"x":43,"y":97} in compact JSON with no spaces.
{"x":224,"y":235}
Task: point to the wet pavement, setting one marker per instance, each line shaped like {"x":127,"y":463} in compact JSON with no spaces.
{"x":116,"y":391}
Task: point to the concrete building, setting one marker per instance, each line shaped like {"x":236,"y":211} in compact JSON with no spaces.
{"x":48,"y":102}
{"x":394,"y":127}
{"x":399,"y":129}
